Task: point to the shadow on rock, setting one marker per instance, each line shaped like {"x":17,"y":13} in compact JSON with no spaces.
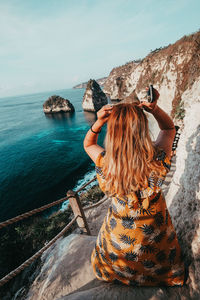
{"x":185,"y":210}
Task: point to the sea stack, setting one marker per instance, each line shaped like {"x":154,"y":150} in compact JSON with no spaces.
{"x":57,"y":104}
{"x":94,"y":98}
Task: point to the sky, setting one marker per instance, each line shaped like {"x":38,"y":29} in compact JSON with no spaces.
{"x":55,"y":44}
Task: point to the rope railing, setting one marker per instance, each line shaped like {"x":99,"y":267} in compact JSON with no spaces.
{"x":36,"y":255}
{"x":95,"y":204}
{"x":81,"y":188}
{"x":79,"y":217}
{"x":42,"y":208}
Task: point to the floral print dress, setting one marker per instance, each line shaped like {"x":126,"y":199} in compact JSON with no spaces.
{"x":137,"y":244}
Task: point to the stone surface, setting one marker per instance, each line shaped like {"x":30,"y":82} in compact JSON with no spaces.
{"x":108,"y":291}
{"x":184,"y":193}
{"x":66,"y":267}
{"x":57,"y":104}
{"x":94,"y":98}
{"x":116,"y":84}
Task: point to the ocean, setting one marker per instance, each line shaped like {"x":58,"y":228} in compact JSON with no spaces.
{"x":42,"y":156}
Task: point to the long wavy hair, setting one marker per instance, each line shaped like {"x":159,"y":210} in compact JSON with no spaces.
{"x":130,"y":153}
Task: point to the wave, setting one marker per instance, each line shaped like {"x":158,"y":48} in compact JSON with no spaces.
{"x":88,"y":176}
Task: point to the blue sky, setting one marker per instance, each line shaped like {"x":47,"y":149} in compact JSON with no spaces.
{"x":55,"y":44}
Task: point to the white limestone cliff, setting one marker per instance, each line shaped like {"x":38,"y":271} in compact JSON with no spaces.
{"x":184,"y":193}
{"x":172,"y":69}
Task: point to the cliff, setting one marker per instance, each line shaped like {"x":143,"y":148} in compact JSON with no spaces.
{"x":184,"y":192}
{"x":173,"y":70}
{"x":83,"y":85}
{"x":115,"y":85}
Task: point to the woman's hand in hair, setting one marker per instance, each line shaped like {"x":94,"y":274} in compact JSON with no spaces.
{"x":148,"y":106}
{"x":104,"y":113}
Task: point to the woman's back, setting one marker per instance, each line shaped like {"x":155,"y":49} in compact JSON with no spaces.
{"x":137,"y":243}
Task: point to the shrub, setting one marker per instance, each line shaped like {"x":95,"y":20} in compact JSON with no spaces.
{"x":94,"y":194}
{"x":20,"y":241}
{"x":179,"y":111}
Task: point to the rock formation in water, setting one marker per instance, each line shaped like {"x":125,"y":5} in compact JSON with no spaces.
{"x":83,"y":85}
{"x":94,"y":98}
{"x":57,"y":104}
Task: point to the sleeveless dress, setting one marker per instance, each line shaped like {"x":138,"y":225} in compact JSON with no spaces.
{"x":137,"y":244}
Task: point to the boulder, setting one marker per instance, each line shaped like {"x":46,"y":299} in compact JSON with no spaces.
{"x":57,"y":104}
{"x":94,"y":98}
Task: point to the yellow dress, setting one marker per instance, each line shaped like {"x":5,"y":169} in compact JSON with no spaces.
{"x":137,"y":244}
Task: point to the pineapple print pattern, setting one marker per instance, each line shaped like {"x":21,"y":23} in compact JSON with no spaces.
{"x":137,"y":244}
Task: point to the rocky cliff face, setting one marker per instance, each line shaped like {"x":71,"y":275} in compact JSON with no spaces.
{"x":184,"y":193}
{"x":83,"y":85}
{"x":57,"y":104}
{"x":94,"y":98}
{"x":173,"y":70}
{"x":116,"y":85}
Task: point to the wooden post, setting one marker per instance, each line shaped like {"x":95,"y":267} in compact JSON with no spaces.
{"x":78,"y":210}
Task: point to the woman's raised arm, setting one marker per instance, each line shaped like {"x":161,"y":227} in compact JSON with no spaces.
{"x":90,"y":141}
{"x":167,"y":129}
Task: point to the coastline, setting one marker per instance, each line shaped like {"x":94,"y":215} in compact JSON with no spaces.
{"x":87,"y":177}
{"x":41,"y":157}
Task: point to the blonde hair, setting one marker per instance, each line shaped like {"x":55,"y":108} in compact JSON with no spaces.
{"x":130,"y":154}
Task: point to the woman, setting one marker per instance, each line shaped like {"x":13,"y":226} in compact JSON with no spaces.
{"x":137,"y":243}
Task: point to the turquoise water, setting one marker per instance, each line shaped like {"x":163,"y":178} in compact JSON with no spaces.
{"x":41,"y":156}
